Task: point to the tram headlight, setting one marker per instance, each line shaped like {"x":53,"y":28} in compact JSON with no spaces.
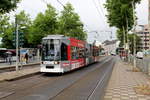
{"x":56,"y":62}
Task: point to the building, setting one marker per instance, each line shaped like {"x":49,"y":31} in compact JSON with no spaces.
{"x":144,"y":36}
{"x":110,"y":46}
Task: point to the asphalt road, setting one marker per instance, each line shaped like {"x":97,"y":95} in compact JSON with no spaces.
{"x":87,"y":83}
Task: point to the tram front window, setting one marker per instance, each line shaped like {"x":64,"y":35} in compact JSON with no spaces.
{"x":51,"y":50}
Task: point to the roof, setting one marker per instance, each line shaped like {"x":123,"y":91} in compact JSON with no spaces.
{"x":55,"y":37}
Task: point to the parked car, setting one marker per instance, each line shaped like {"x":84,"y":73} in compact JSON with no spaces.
{"x":140,"y":55}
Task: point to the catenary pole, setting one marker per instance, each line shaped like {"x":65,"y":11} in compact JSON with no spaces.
{"x":16,"y":22}
{"x":149,"y":21}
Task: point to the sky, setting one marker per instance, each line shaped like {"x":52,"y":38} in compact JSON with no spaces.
{"x":92,"y":14}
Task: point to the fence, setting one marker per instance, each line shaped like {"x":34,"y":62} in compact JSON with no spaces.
{"x":142,"y":64}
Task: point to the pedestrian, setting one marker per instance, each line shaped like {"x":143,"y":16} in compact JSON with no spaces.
{"x":30,"y":57}
{"x":26,"y":57}
{"x":9,"y":58}
{"x":5,"y":57}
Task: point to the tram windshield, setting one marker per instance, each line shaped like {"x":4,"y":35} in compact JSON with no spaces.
{"x":51,"y":50}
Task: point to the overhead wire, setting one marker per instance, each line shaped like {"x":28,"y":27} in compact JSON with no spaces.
{"x":102,"y":10}
{"x":98,"y":11}
{"x":101,"y":14}
{"x":44,"y":2}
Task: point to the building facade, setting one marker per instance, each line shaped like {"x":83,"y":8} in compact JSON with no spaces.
{"x":145,"y":37}
{"x":110,"y":46}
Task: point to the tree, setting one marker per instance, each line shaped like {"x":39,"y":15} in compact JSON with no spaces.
{"x":24,"y":23}
{"x":7,"y":5}
{"x":70,"y":24}
{"x":6,"y":31}
{"x":8,"y":28}
{"x":43,"y":25}
{"x":120,"y":15}
{"x":131,"y":42}
{"x":4,"y":22}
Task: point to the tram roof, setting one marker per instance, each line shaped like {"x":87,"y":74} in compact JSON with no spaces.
{"x":55,"y":37}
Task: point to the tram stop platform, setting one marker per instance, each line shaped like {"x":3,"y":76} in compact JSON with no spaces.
{"x":24,"y":72}
{"x":126,"y":84}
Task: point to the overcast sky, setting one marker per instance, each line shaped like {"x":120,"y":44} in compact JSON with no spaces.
{"x":93,"y":18}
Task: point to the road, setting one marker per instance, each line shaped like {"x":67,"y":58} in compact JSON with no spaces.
{"x":87,"y":83}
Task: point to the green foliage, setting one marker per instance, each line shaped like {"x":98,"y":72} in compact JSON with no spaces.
{"x":7,"y":5}
{"x":24,"y":23}
{"x":47,"y":23}
{"x":43,"y":25}
{"x":120,"y":15}
{"x":7,"y":34}
{"x":131,"y":42}
{"x":5,"y":30}
{"x":4,"y":23}
{"x":70,"y":24}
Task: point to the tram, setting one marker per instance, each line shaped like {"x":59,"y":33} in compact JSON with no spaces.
{"x":62,"y":54}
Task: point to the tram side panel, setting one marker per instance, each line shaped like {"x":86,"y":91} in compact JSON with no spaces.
{"x":77,"y":53}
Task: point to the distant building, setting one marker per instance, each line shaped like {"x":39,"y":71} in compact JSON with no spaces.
{"x":110,"y":46}
{"x":144,"y":36}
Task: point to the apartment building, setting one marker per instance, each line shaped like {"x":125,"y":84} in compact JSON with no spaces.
{"x":145,"y":37}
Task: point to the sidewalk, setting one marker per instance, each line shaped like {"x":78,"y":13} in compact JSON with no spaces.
{"x":122,"y":83}
{"x":8,"y":76}
{"x":12,"y":75}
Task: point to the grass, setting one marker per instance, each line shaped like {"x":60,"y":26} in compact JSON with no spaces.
{"x":135,"y":69}
{"x":143,"y":89}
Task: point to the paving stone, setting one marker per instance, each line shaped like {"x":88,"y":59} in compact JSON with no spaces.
{"x":142,"y":99}
{"x":122,"y":83}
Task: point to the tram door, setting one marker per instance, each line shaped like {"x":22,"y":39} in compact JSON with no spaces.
{"x":65,"y":63}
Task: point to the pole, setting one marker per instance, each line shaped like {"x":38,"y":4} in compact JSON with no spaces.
{"x":134,"y":51}
{"x":149,"y":21}
{"x":16,"y":22}
{"x":128,"y":49}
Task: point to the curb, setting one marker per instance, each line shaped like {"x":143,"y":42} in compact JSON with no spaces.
{"x":13,"y":66}
{"x":22,"y":76}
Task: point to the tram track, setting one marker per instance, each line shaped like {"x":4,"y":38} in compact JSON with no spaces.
{"x":62,"y":94}
{"x":100,"y":83}
{"x":41,"y":77}
{"x":24,"y":90}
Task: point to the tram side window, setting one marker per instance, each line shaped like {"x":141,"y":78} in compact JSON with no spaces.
{"x":86,"y":53}
{"x":63,"y":52}
{"x":81,"y":52}
{"x":74,"y":52}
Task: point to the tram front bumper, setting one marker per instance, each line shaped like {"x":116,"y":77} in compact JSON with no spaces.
{"x":51,"y":69}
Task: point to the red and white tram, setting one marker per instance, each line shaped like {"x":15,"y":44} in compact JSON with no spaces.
{"x":61,"y":54}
